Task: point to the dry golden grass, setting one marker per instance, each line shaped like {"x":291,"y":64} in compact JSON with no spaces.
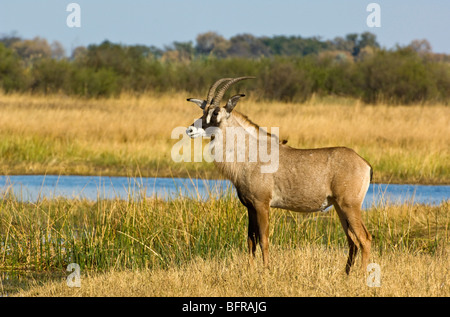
{"x":310,"y":271}
{"x":61,"y":135}
{"x":193,"y":248}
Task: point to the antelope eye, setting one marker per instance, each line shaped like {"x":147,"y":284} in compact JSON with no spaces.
{"x":216,"y":112}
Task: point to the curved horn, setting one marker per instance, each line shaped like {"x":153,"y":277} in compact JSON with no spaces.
{"x":213,"y":88}
{"x":225,"y":87}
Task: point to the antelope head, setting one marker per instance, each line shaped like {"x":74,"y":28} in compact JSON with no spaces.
{"x":213,"y":114}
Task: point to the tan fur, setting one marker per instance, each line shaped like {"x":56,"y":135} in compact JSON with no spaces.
{"x":307,"y":180}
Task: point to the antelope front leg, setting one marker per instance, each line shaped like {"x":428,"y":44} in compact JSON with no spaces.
{"x":253,"y":234}
{"x":262,"y":218}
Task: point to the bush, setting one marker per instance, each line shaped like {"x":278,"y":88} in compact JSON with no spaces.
{"x":12,"y":73}
{"x":90,"y":83}
{"x":397,"y":77}
{"x":287,"y":80}
{"x":50,"y":75}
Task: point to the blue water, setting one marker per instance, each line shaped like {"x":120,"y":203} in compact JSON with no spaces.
{"x":35,"y":187}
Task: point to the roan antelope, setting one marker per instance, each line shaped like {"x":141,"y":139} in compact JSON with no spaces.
{"x":306,"y":180}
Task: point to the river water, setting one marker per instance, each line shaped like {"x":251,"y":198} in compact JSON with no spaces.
{"x":34,"y":187}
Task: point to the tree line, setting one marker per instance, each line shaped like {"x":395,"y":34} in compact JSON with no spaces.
{"x":288,"y":68}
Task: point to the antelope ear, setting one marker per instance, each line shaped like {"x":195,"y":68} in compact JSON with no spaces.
{"x":198,"y":102}
{"x":232,"y":102}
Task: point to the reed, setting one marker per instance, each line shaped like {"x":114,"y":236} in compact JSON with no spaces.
{"x":152,"y":234}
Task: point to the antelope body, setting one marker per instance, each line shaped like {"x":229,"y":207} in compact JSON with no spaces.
{"x":306,"y":180}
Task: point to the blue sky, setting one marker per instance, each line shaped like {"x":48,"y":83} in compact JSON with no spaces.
{"x":160,"y":22}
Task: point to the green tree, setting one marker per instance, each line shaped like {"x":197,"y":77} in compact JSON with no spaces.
{"x":248,"y":46}
{"x":32,"y":50}
{"x":212,"y":43}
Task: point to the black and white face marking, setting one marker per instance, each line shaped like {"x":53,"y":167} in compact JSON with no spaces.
{"x":215,"y":115}
{"x":212,"y":118}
